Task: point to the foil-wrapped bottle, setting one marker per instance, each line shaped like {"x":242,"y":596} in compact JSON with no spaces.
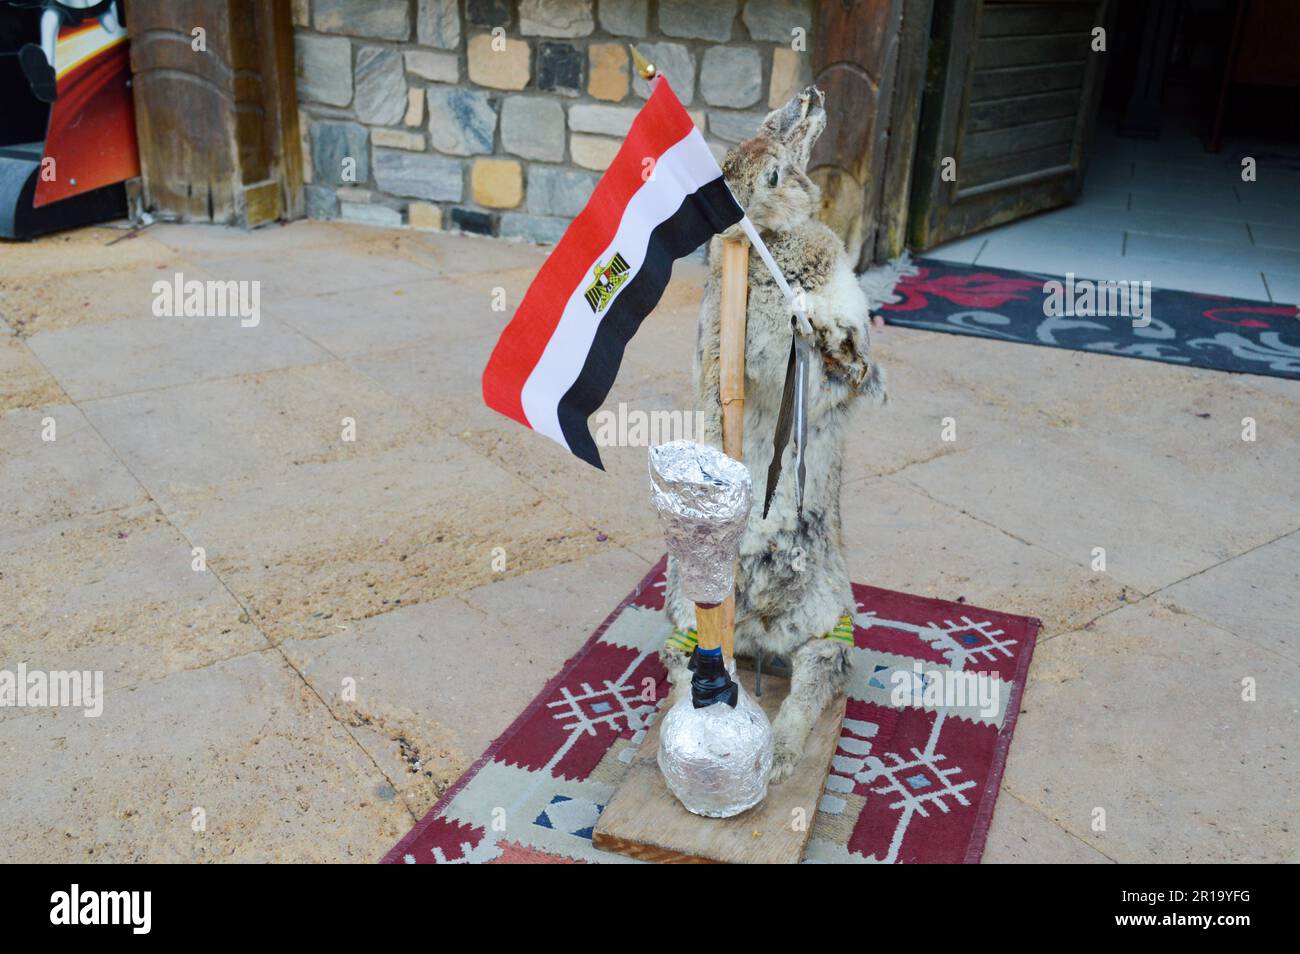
{"x":716,"y":760}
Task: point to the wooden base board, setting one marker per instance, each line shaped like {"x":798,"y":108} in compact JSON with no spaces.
{"x":644,"y":819}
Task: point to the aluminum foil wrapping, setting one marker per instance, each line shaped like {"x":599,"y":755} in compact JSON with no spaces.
{"x":716,"y":760}
{"x":703,"y":499}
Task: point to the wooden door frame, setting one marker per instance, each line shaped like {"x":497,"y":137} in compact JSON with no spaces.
{"x":280,"y":102}
{"x":905,"y":115}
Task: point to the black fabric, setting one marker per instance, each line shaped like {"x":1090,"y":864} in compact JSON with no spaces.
{"x":702,"y":214}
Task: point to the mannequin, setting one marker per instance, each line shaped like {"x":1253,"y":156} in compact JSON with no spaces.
{"x":38,"y":61}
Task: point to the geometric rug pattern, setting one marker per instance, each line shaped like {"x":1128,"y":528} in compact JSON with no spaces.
{"x":914,"y":779}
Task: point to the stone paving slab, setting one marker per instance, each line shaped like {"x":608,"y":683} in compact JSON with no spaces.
{"x":273,"y":239}
{"x":344,"y":540}
{"x":1142,"y":715}
{"x":261,"y":426}
{"x":449,"y":256}
{"x":40,"y":302}
{"x":358,"y":321}
{"x":1256,"y":596}
{"x":1279,"y":386}
{"x":315,"y":271}
{"x":911,"y":427}
{"x":139,"y":354}
{"x":411,"y":684}
{"x":84,"y":250}
{"x":440,"y":379}
{"x":115,"y":592}
{"x":898,"y":538}
{"x":246,"y":742}
{"x":615,"y":500}
{"x":1073,"y":390}
{"x":24,"y":382}
{"x":563,"y":603}
{"x":1154,"y":439}
{"x":1022,"y":835}
{"x":1158,"y":518}
{"x":437,"y":682}
{"x":73,"y":475}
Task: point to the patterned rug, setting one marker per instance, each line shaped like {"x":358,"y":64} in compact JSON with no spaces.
{"x":909,"y":783}
{"x":1188,"y":328}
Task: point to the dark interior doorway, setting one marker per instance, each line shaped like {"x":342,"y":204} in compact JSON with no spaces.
{"x":1016,"y":93}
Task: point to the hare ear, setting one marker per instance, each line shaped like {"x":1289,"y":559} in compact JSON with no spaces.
{"x":776,"y":123}
{"x":798,"y":124}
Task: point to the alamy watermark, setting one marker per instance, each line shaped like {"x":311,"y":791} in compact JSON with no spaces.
{"x":36,"y":688}
{"x":1084,"y":298}
{"x":629,"y":427}
{"x":130,"y":908}
{"x":946,"y":689}
{"x":179,"y":298}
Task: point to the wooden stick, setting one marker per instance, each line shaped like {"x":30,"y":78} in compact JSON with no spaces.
{"x":731,"y":388}
{"x":731,"y":346}
{"x":711,"y":625}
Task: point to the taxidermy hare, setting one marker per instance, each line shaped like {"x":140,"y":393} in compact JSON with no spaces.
{"x":793,"y":589}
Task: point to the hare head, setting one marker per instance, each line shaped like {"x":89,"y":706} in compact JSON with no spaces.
{"x":768,"y":174}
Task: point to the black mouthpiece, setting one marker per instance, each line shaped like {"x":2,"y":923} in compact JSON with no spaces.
{"x":711,"y":683}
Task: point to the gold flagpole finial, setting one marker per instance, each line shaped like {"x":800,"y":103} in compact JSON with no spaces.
{"x":643,"y":66}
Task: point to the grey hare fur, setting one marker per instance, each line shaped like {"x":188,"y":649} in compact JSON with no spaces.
{"x":792,"y":581}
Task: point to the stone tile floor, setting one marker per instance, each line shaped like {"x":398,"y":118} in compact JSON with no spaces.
{"x":1167,"y":212}
{"x":373,"y":612}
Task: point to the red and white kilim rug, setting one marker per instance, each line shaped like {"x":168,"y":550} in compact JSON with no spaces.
{"x":909,"y":783}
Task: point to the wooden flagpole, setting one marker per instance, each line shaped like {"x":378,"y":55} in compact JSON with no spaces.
{"x":731,"y":384}
{"x":731,"y":345}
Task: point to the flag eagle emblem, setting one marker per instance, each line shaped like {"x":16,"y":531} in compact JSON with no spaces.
{"x":608,"y":279}
{"x":557,"y":358}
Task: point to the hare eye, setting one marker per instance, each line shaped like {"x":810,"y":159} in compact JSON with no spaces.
{"x":771,"y":179}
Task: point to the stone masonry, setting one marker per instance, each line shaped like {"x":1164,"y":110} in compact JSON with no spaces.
{"x":497,"y":116}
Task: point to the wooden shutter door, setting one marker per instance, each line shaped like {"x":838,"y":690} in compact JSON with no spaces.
{"x":1011,"y":94}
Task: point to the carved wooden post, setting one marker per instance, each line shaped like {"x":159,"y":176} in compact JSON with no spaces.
{"x":854,"y":61}
{"x":216,"y":112}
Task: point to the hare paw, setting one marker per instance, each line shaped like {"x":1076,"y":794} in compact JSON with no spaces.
{"x":784,"y":761}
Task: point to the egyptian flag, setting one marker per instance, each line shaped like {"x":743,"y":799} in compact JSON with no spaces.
{"x":661,"y":198}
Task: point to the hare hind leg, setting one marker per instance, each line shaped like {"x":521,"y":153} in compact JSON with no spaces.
{"x":819,"y":672}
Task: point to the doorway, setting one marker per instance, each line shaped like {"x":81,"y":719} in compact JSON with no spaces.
{"x":1182,"y":162}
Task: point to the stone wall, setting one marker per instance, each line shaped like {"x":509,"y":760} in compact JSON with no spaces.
{"x":497,"y":116}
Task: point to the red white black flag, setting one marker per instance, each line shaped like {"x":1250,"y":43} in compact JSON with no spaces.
{"x":662,"y":197}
